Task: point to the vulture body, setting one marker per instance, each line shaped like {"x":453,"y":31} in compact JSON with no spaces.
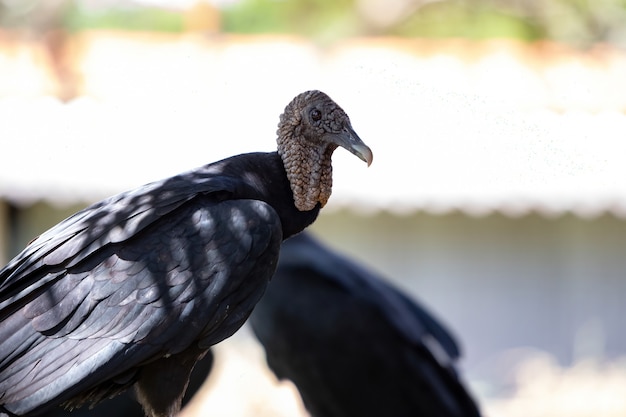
{"x":133,"y":290}
{"x":353,"y":344}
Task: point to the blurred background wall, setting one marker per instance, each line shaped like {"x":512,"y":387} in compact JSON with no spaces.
{"x":496,"y":197}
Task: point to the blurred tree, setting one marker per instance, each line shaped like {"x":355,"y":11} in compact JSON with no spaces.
{"x":473,"y":19}
{"x":202,"y":17}
{"x":575,"y":21}
{"x":580,"y":22}
{"x":316,"y":18}
{"x":45,"y":21}
{"x":124,"y":15}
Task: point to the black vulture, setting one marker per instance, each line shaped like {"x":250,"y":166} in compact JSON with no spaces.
{"x":353,"y":344}
{"x":134,"y":289}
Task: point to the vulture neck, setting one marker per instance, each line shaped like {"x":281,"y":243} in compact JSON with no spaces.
{"x":310,"y":173}
{"x":264,"y":178}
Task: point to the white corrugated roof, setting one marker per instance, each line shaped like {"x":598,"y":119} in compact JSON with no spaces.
{"x":439,"y":155}
{"x":439,"y":142}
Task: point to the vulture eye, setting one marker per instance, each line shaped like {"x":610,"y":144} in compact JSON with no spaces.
{"x":316,"y":115}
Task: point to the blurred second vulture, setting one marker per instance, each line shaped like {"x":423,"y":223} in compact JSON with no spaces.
{"x":353,"y":344}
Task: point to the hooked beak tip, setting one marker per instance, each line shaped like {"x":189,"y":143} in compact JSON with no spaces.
{"x":364,"y":153}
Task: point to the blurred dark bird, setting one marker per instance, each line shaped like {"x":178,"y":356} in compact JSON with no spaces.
{"x":133,"y":290}
{"x":353,"y":344}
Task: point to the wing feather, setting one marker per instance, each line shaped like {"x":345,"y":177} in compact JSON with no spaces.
{"x":113,"y":220}
{"x":126,"y":281}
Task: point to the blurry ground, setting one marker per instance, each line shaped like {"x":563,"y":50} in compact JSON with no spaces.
{"x":241,"y":385}
{"x":541,"y":388}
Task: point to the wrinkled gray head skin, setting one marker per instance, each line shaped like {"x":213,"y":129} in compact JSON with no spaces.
{"x":310,"y":129}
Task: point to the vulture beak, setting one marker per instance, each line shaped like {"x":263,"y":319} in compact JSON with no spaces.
{"x":349,"y":140}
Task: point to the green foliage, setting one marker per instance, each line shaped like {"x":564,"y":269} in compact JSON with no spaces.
{"x":129,"y":18}
{"x":462,"y":20}
{"x":574,"y":21}
{"x":580,"y":22}
{"x":314,"y":18}
{"x":329,"y":19}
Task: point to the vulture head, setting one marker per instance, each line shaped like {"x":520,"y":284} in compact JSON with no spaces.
{"x":310,"y":129}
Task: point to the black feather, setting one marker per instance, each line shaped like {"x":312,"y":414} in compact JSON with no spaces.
{"x":146,"y":273}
